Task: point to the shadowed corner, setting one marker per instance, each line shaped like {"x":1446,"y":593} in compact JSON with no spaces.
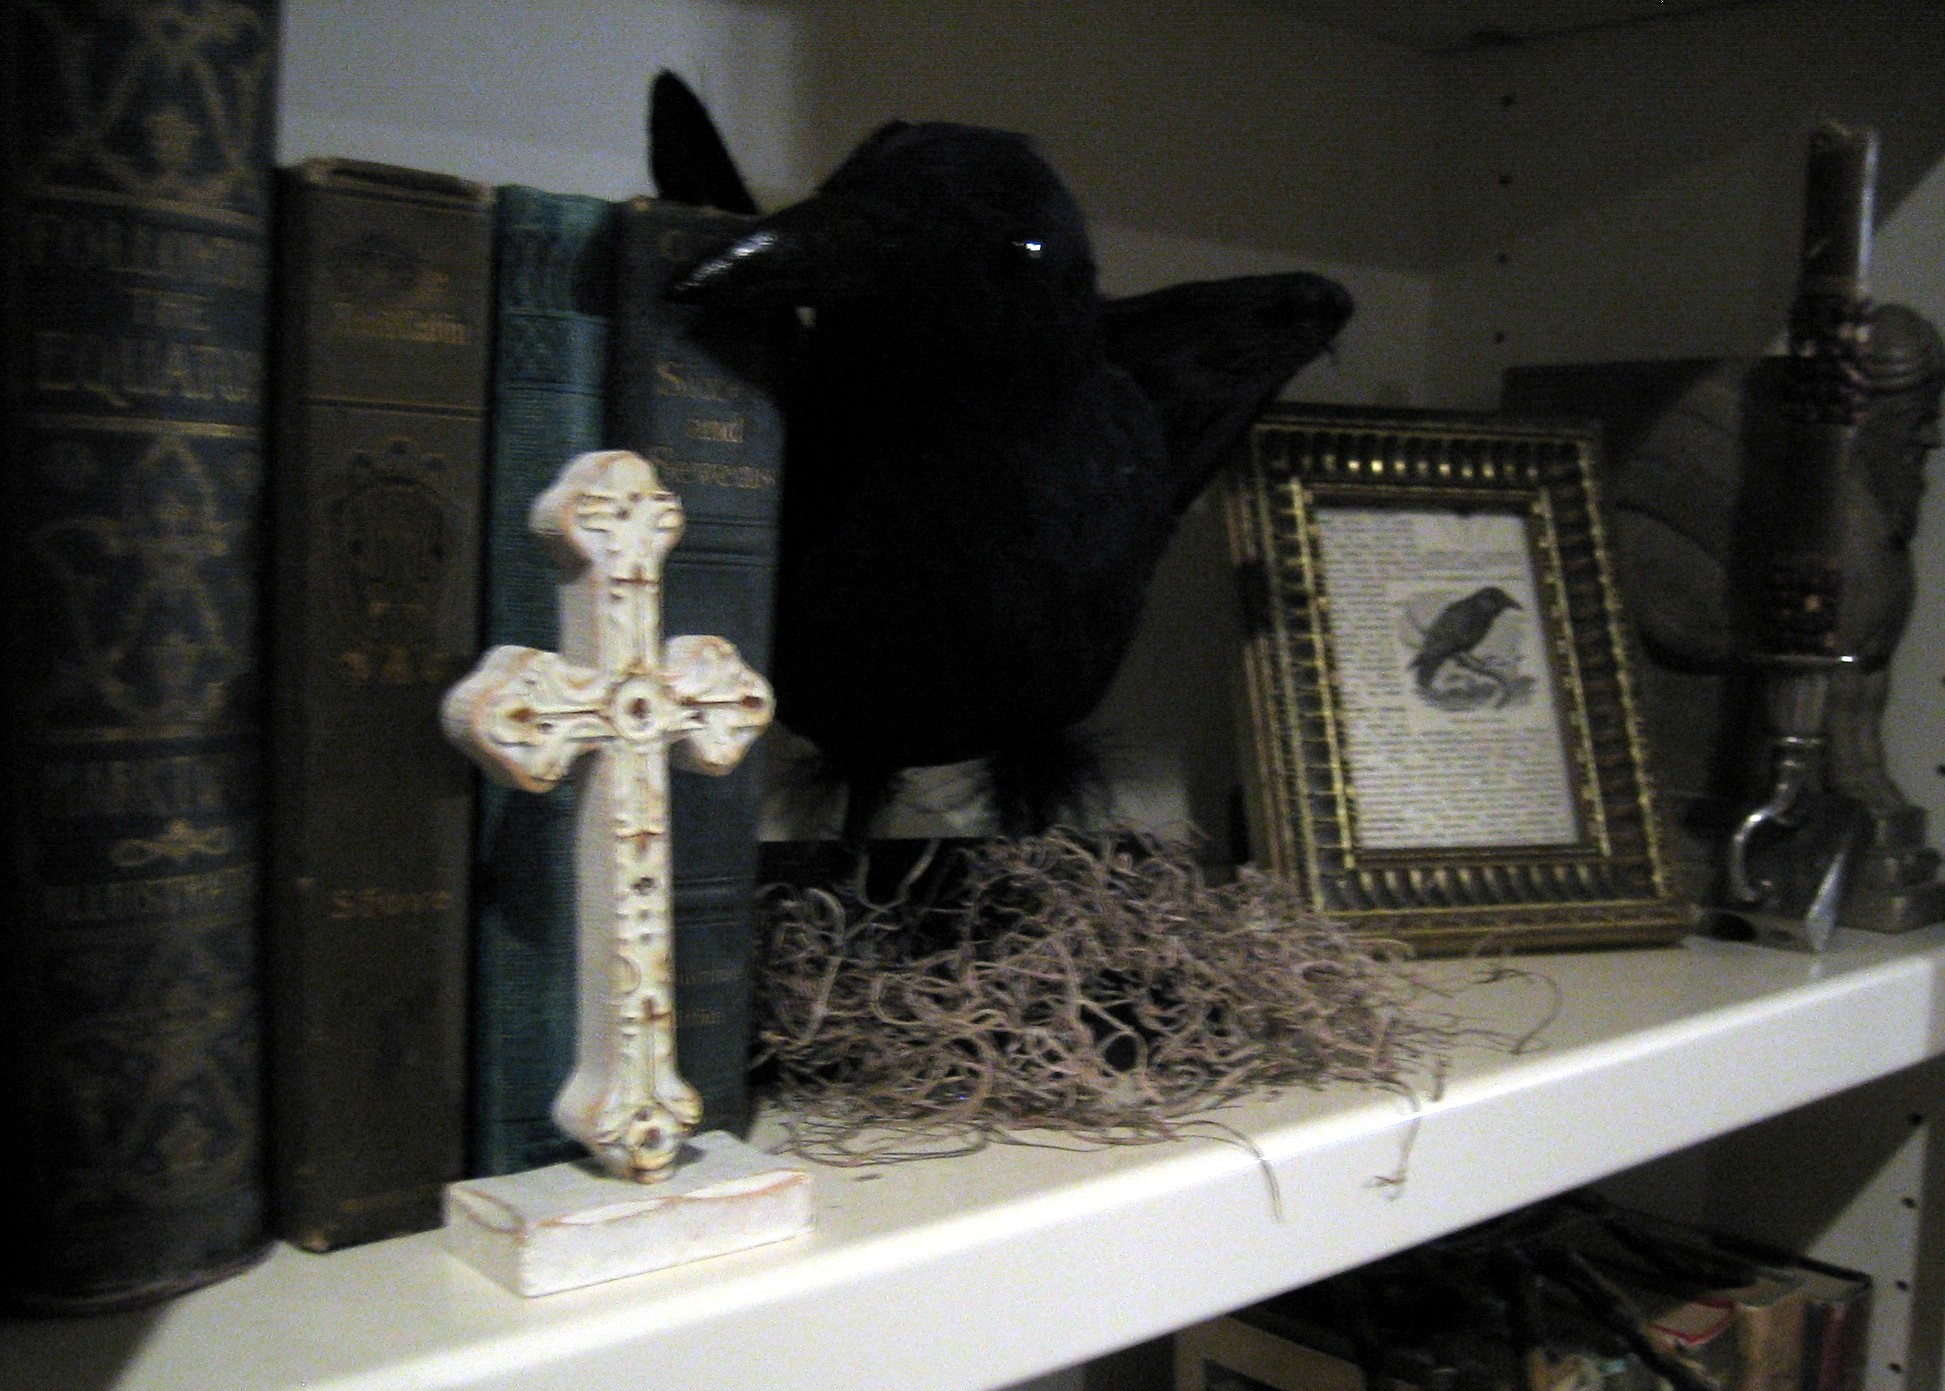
{"x":92,"y":1352}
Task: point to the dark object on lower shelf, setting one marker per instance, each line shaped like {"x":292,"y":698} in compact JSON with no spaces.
{"x":1575,"y":1293}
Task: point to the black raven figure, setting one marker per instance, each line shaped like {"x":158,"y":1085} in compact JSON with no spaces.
{"x":985,"y":460}
{"x":1460,"y":626}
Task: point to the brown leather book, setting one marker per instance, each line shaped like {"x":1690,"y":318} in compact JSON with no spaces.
{"x":384,"y":281}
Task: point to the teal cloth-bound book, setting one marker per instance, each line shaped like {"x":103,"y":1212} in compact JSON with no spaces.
{"x":690,"y":394}
{"x":554,"y":275}
{"x":590,"y":355}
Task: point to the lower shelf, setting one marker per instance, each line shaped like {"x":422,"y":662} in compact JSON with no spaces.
{"x":988,"y":1269}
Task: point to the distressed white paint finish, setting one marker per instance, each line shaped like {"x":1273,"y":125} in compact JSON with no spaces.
{"x":568,"y":1225}
{"x":618,"y":692}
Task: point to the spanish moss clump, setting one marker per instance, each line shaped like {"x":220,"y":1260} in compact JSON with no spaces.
{"x":1096,"y":986}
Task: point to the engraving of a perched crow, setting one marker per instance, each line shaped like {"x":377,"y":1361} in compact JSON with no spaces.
{"x":985,"y":458}
{"x":1460,"y":626}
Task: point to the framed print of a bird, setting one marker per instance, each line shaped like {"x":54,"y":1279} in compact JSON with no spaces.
{"x":1459,"y":628}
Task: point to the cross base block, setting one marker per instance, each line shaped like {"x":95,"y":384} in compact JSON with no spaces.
{"x":571,"y":1225}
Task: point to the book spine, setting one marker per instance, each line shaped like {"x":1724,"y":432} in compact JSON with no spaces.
{"x":1836,"y":1353}
{"x":554,"y":280}
{"x":689,"y":396}
{"x":137,"y":155}
{"x":375,"y":491}
{"x":1771,"y":1338}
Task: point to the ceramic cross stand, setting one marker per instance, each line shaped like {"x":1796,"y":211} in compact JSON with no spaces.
{"x":628,"y":703}
{"x":622,"y":702}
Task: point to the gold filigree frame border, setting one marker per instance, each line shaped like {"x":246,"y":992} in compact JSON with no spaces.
{"x":1610,"y":886}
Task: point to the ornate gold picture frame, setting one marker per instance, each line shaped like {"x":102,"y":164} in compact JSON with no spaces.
{"x":1442,"y":738}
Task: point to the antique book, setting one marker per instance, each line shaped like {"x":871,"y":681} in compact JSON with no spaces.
{"x":1770,"y":1315}
{"x":692,"y":396}
{"x":383,"y":296}
{"x":1799,"y":1322}
{"x":1836,"y":1327}
{"x":1421,"y":1319}
{"x":136,"y":217}
{"x":553,"y":263}
{"x":1804,"y":1322}
{"x":1574,"y":1294}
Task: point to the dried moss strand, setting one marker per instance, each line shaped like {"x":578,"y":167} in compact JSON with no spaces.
{"x":1080,"y":989}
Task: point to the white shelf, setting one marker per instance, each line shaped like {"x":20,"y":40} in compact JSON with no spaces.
{"x":984,"y":1270}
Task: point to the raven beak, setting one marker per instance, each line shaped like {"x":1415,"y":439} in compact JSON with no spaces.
{"x":763,"y":267}
{"x":791,"y":259}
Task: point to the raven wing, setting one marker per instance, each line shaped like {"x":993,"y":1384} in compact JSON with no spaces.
{"x":1212,"y":353}
{"x":686,"y":155}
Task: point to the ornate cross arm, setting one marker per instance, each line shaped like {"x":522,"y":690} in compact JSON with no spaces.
{"x":617,"y":692}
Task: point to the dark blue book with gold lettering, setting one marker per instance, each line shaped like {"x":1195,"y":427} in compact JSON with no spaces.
{"x":696,"y":397}
{"x":136,"y":221}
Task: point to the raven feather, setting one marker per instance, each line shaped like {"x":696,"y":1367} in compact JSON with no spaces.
{"x":985,"y":458}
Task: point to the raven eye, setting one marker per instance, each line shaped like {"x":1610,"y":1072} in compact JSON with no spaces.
{"x":1030,"y":247}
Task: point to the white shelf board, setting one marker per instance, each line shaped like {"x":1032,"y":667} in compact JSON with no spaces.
{"x":987,"y":1269}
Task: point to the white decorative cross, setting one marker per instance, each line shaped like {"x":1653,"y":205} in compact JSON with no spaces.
{"x":526,"y":715}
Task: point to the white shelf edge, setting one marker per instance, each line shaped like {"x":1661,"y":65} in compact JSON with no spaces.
{"x":986,"y":1270}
